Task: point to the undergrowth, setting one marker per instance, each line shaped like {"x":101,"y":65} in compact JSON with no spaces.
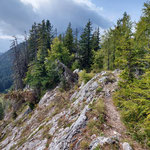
{"x":133,"y":99}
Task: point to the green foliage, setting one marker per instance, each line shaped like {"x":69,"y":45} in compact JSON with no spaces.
{"x":85,"y":47}
{"x":40,"y":41}
{"x":84,"y":145}
{"x":68,"y":39}
{"x":6,"y":80}
{"x":97,"y":60}
{"x":36,"y":76}
{"x":53,"y":74}
{"x":44,"y":73}
{"x":59,"y":52}
{"x":96,"y":40}
{"x":1,"y":111}
{"x":97,"y":110}
{"x":98,"y":90}
{"x":133,"y":96}
{"x":133,"y":100}
{"x":75,"y":65}
{"x":97,"y":148}
{"x":85,"y":77}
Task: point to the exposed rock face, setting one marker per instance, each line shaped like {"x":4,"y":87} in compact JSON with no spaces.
{"x":44,"y":127}
{"x":126,"y":146}
{"x":67,"y":73}
{"x":64,"y":137}
{"x":103,"y":140}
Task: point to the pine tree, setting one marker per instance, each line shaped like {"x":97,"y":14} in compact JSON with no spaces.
{"x":49,"y":34}
{"x":76,"y":41}
{"x":96,"y":40}
{"x":106,"y":48}
{"x":1,"y":111}
{"x":142,"y":40}
{"x":85,"y":46}
{"x":37,"y":75}
{"x":68,"y":39}
{"x":33,"y":42}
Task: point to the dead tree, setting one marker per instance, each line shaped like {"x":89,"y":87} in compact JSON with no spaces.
{"x":17,"y":77}
{"x":20,"y":62}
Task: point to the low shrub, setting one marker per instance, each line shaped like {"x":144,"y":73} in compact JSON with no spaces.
{"x":85,"y":77}
{"x":94,"y":126}
{"x":19,"y":97}
{"x":99,"y":89}
{"x":133,"y":99}
{"x":84,"y":145}
{"x":1,"y":111}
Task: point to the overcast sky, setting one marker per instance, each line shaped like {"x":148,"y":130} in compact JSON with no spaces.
{"x":17,"y":16}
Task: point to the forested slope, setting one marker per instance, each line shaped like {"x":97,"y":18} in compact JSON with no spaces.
{"x":6,"y":60}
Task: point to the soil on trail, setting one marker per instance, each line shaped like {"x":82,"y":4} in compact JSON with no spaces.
{"x":113,"y":119}
{"x":114,"y":124}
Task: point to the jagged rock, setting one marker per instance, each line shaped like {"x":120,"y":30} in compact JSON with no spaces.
{"x":67,"y":73}
{"x":63,"y":139}
{"x":29,"y":110}
{"x":126,"y":146}
{"x":77,"y":71}
{"x":81,"y":86}
{"x":76,"y":115}
{"x":87,"y":91}
{"x":93,"y":136}
{"x":48,"y":97}
{"x":103,"y":140}
{"x":36,"y":144}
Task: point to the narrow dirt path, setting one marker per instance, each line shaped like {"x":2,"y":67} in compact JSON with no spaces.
{"x":115,"y":125}
{"x":113,"y":119}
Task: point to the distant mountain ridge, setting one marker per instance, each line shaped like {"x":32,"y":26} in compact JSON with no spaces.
{"x":6,"y":60}
{"x":6,"y":72}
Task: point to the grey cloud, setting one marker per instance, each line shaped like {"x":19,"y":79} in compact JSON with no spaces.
{"x":15,"y":17}
{"x":60,"y":12}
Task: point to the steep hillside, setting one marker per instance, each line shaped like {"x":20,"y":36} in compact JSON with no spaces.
{"x":6,"y":61}
{"x":6,"y":70}
{"x":81,"y":118}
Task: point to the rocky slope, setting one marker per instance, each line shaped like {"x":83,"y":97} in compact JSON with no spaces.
{"x":81,"y":118}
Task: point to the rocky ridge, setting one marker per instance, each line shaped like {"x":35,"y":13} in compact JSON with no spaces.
{"x":68,"y":120}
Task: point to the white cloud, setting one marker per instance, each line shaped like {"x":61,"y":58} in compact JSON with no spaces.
{"x":91,"y":5}
{"x":4,"y":37}
{"x":35,"y":3}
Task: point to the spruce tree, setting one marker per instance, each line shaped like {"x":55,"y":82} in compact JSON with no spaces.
{"x":96,"y":40}
{"x":142,"y":40}
{"x":49,"y":34}
{"x":76,"y":42}
{"x":68,"y":39}
{"x":36,"y":75}
{"x":85,"y":46}
{"x":33,"y":42}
